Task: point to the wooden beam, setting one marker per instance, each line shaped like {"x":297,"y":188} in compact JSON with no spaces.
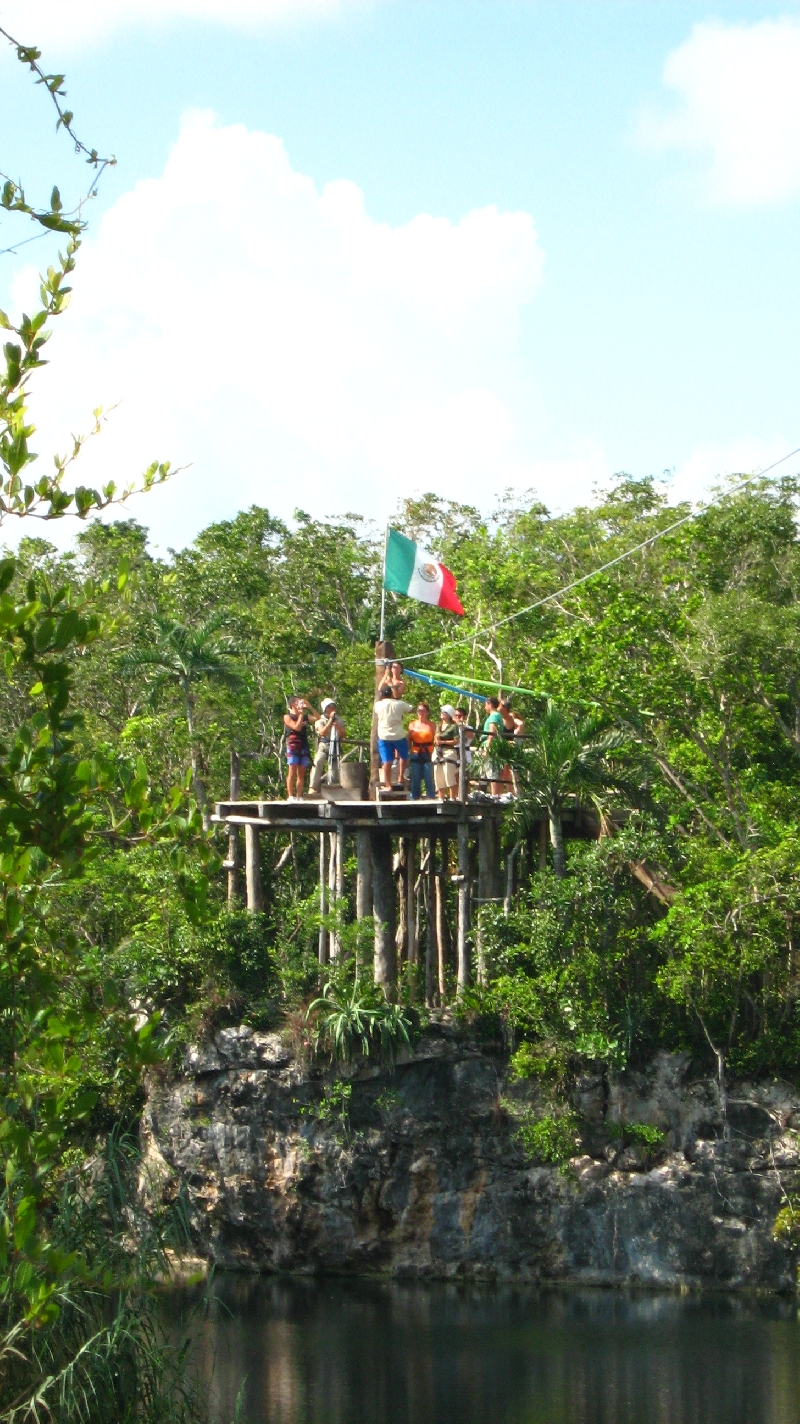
{"x":384,"y":913}
{"x":252,"y":860}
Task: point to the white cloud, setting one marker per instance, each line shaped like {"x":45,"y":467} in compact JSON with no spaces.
{"x":295,"y":351}
{"x":73,"y":24}
{"x":711,"y":465}
{"x":739,"y":102}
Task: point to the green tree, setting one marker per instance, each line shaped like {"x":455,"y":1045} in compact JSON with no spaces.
{"x":565,"y":760}
{"x":185,"y":657}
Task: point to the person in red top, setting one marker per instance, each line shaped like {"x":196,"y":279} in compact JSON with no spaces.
{"x":421,"y":733}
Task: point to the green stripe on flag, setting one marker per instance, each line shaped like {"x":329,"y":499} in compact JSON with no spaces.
{"x":401,"y":557}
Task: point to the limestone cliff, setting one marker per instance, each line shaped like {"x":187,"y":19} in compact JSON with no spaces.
{"x":427,"y":1177}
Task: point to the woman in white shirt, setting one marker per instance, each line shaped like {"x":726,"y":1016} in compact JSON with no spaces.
{"x":392,"y":739}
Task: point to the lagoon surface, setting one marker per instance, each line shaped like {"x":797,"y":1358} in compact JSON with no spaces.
{"x":363,"y":1352}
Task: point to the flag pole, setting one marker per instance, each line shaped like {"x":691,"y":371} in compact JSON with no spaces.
{"x":383,"y":582}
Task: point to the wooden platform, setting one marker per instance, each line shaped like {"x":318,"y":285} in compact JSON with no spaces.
{"x":399,"y":817}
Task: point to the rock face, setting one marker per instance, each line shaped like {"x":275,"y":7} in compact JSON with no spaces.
{"x":420,"y":1171}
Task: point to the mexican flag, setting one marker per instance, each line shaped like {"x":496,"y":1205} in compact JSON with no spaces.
{"x":414,"y":572}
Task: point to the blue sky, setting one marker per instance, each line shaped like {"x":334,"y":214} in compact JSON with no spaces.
{"x":612,"y":282}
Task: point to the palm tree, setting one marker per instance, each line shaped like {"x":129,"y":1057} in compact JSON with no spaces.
{"x":183,"y":656}
{"x":564,"y":759}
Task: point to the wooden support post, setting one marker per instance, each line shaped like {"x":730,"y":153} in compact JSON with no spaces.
{"x":333,"y":899}
{"x":463,"y":967}
{"x":510,"y":858}
{"x":442,"y":927}
{"x":252,"y":860}
{"x":384,"y":652}
{"x":411,"y":911}
{"x":363,"y":875}
{"x":322,"y":950}
{"x":430,"y":938}
{"x":489,"y":859}
{"x":234,"y":842}
{"x":383,"y":908}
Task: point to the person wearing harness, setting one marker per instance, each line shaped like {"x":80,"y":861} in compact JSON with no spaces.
{"x":445,"y":756}
{"x":330,"y":730}
{"x":298,"y":752}
{"x":392,"y":740}
{"x":421,"y":733}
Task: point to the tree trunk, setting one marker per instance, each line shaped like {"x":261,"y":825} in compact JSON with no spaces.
{"x":234,"y":842}
{"x":557,"y":842}
{"x":198,"y":785}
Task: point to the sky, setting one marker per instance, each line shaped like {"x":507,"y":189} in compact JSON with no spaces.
{"x":354,"y":250}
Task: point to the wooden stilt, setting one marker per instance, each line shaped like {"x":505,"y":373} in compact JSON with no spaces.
{"x":430,"y":938}
{"x":383,"y":908}
{"x":463,"y":964}
{"x":399,"y":870}
{"x":363,"y":875}
{"x":411,"y":909}
{"x":442,"y":927}
{"x":489,"y":860}
{"x":252,"y":857}
{"x":384,"y":652}
{"x":510,"y":859}
{"x":333,"y":899}
{"x":322,"y":951}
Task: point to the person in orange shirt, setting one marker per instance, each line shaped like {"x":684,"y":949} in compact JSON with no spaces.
{"x":421,"y":734}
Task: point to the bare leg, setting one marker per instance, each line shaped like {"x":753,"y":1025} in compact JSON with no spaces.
{"x":291,"y":777}
{"x":401,"y":777}
{"x":387,"y":775}
{"x":301,"y":781}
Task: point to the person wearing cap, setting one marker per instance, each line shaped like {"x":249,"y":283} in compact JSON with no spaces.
{"x":445,"y":754}
{"x":330,"y":730}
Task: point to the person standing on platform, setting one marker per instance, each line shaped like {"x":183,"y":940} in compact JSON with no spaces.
{"x":392,"y":739}
{"x":460,"y":719}
{"x":445,"y":755}
{"x":494,"y":727}
{"x":298,"y":752}
{"x":393,"y":678}
{"x":330,"y":730}
{"x":421,"y":733}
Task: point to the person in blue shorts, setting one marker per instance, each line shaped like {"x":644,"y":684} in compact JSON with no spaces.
{"x":392,"y":739}
{"x":298,"y":752}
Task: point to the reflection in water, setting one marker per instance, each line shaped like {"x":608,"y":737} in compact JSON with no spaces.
{"x":333,"y":1352}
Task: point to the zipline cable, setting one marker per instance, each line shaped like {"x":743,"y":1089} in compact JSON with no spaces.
{"x":576,"y":583}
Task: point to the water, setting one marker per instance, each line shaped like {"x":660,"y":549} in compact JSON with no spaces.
{"x":333,"y":1352}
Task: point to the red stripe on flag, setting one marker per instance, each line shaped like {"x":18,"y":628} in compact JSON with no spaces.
{"x":448,"y":598}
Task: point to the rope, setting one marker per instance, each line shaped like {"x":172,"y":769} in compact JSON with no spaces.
{"x":434,"y":682}
{"x":576,"y":583}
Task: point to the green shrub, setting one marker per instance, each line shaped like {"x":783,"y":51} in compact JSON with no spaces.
{"x":552,"y":1138}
